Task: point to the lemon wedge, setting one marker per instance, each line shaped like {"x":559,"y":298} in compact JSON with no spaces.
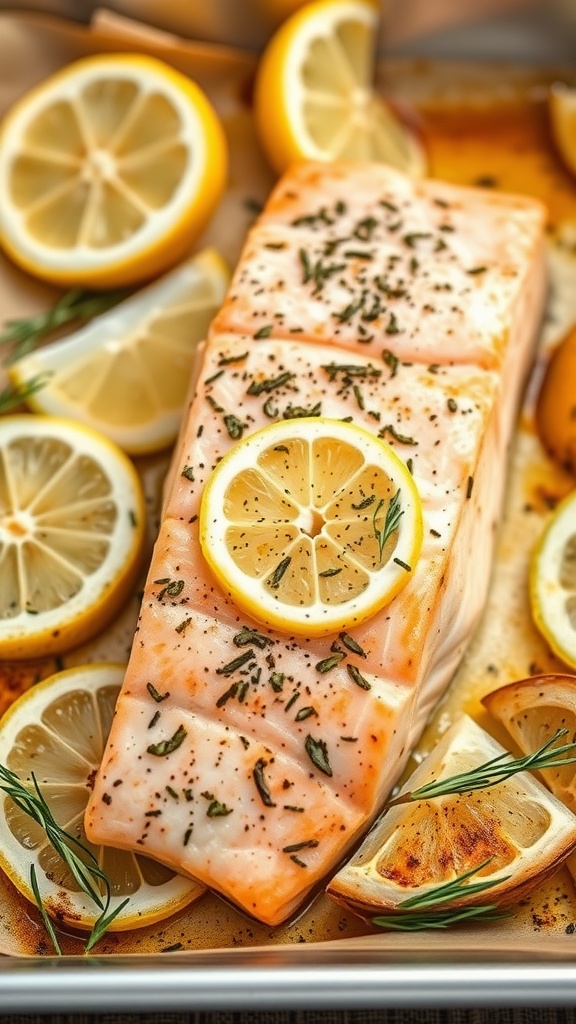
{"x":532,"y":711}
{"x":311,"y":525}
{"x":72,"y":528}
{"x":553,"y":581}
{"x":511,"y":836}
{"x":109,"y":169}
{"x":57,"y":730}
{"x":314,"y":94}
{"x":126,"y":373}
{"x":556,"y":404}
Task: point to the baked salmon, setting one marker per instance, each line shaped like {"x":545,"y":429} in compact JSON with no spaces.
{"x":247,"y":758}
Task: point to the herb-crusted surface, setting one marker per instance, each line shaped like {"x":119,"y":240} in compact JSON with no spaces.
{"x":274,"y":744}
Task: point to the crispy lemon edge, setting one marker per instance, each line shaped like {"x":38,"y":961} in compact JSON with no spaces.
{"x":541,"y":620}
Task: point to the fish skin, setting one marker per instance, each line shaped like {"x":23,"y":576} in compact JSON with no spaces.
{"x":185,"y":640}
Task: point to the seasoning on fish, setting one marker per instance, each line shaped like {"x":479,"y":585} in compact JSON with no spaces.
{"x":409,"y":309}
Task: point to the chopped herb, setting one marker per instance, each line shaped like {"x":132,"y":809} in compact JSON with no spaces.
{"x":452,"y":405}
{"x":168,"y":746}
{"x":259,"y":387}
{"x":227,"y":695}
{"x":329,"y":663}
{"x":233,"y":666}
{"x":234,"y":426}
{"x":264,"y":332}
{"x":171,"y":588}
{"x":292,"y":807}
{"x":269,"y":409}
{"x":296,"y":859}
{"x":188,"y":472}
{"x":226,"y":360}
{"x":274,"y":581}
{"x":477,"y":270}
{"x":183,"y":626}
{"x":305,"y":713}
{"x":276,"y":681}
{"x":215,"y":376}
{"x":392,"y":325}
{"x":330,"y":572}
{"x":414,"y":237}
{"x":469,"y":486}
{"x":154,"y":720}
{"x":392,"y":361}
{"x":306,"y":844}
{"x":154,"y":693}
{"x":352,"y":645}
{"x":318,"y":753}
{"x":293,"y":412}
{"x":248,"y":636}
{"x":292,"y":700}
{"x":350,"y":370}
{"x":216,"y":809}
{"x":401,"y":438}
{"x":261,"y":784}
{"x":357,"y":677}
{"x":188,"y":835}
{"x":212,"y":401}
{"x":172,"y":792}
{"x":403,"y":565}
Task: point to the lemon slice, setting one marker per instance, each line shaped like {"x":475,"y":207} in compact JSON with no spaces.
{"x":58,"y":730}
{"x":314,"y":94}
{"x":109,"y":169}
{"x":126,"y":373}
{"x":515,"y":833}
{"x":553,"y":581}
{"x":72,"y":526}
{"x":311,"y":525}
{"x":532,"y":711}
{"x":556,"y":404}
{"x":562,"y":110}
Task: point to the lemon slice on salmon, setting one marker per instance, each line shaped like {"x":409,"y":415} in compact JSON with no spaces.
{"x":109,"y":170}
{"x":510,"y":836}
{"x":127,"y":372}
{"x":311,"y":525}
{"x":57,"y":730}
{"x":553,"y":581}
{"x":72,"y":530}
{"x":315,"y":97}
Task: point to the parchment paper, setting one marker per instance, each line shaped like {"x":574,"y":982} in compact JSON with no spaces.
{"x":506,"y":646}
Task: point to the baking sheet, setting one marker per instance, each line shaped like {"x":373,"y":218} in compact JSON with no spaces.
{"x":532,"y":952}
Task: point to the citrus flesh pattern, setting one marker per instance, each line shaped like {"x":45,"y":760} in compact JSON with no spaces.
{"x":314,"y":93}
{"x":294,"y":525}
{"x":553,"y":581}
{"x":514,"y":834}
{"x":127,"y":372}
{"x":108,"y":171}
{"x":72,"y":524}
{"x":57,"y":731}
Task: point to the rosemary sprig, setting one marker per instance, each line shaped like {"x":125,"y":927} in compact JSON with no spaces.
{"x":23,"y":334}
{"x":496,"y":770}
{"x":394,"y":512}
{"x":420,"y":911}
{"x":80,"y":861}
{"x":12,"y":397}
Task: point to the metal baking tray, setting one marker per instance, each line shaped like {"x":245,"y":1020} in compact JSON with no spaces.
{"x":469,"y":968}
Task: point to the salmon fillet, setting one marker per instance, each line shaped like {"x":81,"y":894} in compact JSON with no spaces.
{"x":210,"y":764}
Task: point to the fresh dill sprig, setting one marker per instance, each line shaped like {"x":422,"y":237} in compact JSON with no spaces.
{"x":11,"y":397}
{"x":79,"y":860}
{"x":394,"y":512}
{"x":421,"y":910}
{"x":496,"y":770}
{"x":24,"y":333}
